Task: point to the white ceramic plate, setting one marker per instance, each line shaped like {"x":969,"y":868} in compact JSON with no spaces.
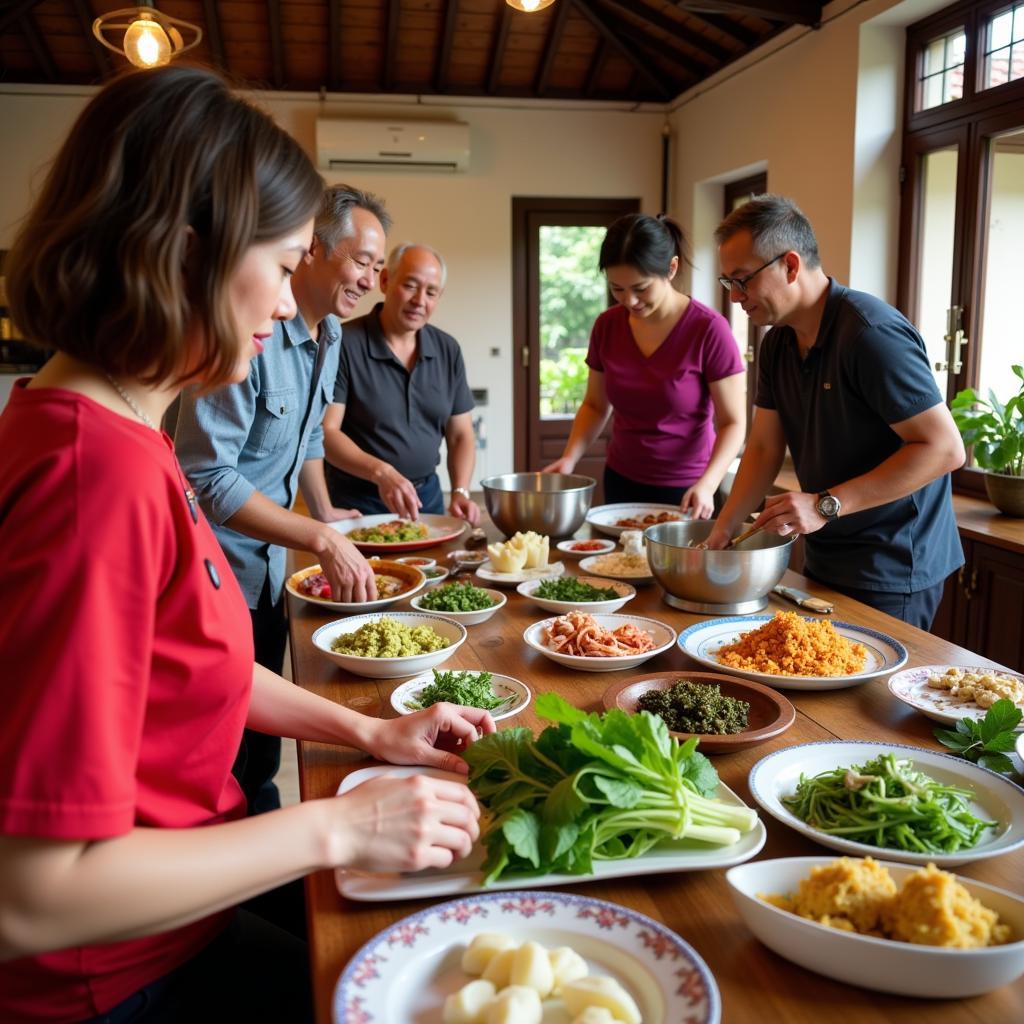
{"x":881,"y":964}
{"x":565,"y":546}
{"x":613,"y":604}
{"x":593,"y":565}
{"x":390,"y":668}
{"x":664,"y":636}
{"x":606,"y":517}
{"x":703,"y":641}
{"x":439,"y":530}
{"x":503,"y":686}
{"x":292,"y":586}
{"x":511,"y":579}
{"x":465,"y":877}
{"x":402,"y":975}
{"x":995,"y":798}
{"x":466,"y":618}
{"x":911,"y":687}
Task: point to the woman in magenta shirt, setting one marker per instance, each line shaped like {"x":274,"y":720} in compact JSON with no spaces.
{"x":670,"y":370}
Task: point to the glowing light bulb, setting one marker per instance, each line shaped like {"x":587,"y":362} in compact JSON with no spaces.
{"x":146,"y":44}
{"x":530,"y":5}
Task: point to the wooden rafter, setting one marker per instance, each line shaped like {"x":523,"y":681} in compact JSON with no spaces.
{"x":719,"y":55}
{"x":444,"y":51}
{"x":600,"y":22}
{"x":789,"y":12}
{"x":596,"y":66}
{"x":16,"y":12}
{"x":100,"y":53}
{"x":37,"y":45}
{"x":276,"y":43}
{"x":214,"y":38}
{"x":498,"y":53}
{"x":551,"y":46}
{"x":394,"y":12}
{"x":724,"y":24}
{"x":645,"y":48}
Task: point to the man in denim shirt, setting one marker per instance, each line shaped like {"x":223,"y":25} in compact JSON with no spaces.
{"x":248,"y":446}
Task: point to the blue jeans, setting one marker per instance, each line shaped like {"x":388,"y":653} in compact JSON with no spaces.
{"x":366,"y":498}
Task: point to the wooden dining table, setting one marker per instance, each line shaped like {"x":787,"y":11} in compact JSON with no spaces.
{"x":755,"y":983}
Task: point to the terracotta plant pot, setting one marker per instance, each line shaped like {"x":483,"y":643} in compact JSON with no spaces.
{"x":1006,"y":493}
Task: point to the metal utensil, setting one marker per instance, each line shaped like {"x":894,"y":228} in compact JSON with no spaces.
{"x":803,"y":599}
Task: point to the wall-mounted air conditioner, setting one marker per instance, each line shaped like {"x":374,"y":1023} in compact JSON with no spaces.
{"x":425,"y":145}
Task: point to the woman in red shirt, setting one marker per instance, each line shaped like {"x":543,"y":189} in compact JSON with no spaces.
{"x":158,"y":252}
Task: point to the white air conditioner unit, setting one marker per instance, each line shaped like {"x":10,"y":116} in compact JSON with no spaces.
{"x":427,"y":145}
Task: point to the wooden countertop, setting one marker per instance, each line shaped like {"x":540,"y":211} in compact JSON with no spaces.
{"x":756,"y":985}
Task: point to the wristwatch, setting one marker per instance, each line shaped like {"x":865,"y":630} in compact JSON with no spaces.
{"x":464,"y":491}
{"x":828,"y":506}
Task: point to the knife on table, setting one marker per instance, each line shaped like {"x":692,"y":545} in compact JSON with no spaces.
{"x":803,"y":599}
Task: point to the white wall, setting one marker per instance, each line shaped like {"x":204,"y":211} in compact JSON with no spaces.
{"x":523,"y":149}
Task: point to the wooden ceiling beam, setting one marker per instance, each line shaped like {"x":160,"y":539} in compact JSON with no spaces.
{"x":334,"y":45}
{"x":613,"y":35}
{"x":37,"y":45}
{"x":276,"y":43}
{"x":498,"y":53}
{"x":724,"y":24}
{"x":789,"y":12}
{"x":104,"y":63}
{"x":16,"y":13}
{"x":643,"y":45}
{"x":596,"y":66}
{"x":444,"y":52}
{"x":676,"y":30}
{"x":394,"y":11}
{"x":551,"y":47}
{"x":214,"y":38}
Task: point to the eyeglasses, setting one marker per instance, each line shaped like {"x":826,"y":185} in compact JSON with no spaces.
{"x":740,"y":283}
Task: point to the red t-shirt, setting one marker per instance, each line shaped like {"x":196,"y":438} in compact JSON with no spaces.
{"x":664,"y":429}
{"x":127,"y":670}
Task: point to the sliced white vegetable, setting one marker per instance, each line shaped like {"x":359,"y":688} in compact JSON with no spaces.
{"x":469,"y":1004}
{"x":483,"y":948}
{"x":516,"y":1004}
{"x":596,"y":1015}
{"x":531,"y":967}
{"x":566,"y":965}
{"x":499,"y":968}
{"x":597,"y":990}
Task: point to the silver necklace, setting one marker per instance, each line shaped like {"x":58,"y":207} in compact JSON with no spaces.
{"x":131,"y":403}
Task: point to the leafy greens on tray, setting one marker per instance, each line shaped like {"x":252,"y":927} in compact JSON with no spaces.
{"x":593,"y":787}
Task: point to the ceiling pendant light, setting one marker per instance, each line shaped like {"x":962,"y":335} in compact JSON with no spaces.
{"x":529,"y":6}
{"x":150,"y":38}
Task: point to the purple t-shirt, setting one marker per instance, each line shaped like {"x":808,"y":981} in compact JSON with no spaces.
{"x":663,"y":429}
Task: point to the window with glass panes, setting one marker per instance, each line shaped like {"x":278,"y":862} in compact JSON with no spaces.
{"x":942,"y":71}
{"x":1004,"y":48}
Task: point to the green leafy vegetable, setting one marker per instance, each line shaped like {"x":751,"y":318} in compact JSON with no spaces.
{"x":886,"y":803}
{"x":471,"y":689}
{"x":569,"y":588}
{"x":593,"y":787}
{"x":456,"y":597}
{"x":697,"y":708}
{"x":986,"y":742}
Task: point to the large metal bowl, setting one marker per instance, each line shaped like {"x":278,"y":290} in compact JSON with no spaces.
{"x":734,"y":582}
{"x":550,"y":503}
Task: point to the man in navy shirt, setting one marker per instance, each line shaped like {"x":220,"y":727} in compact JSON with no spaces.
{"x":844,"y":381}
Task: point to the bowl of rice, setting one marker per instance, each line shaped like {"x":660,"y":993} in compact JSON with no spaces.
{"x":389,"y":646}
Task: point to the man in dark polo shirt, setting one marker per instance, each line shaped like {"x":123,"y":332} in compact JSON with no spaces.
{"x":401,"y":388}
{"x":844,"y":381}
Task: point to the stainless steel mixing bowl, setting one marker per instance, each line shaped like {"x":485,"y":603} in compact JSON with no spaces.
{"x":550,"y":503}
{"x":734,"y":582}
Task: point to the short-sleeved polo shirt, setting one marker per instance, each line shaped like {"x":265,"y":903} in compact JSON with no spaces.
{"x":394,"y":414}
{"x":867,"y":369}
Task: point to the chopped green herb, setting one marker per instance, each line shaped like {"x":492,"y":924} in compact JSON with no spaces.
{"x":456,"y":597}
{"x":886,"y":803}
{"x":569,"y":588}
{"x":470,"y":689}
{"x":986,"y":742}
{"x":697,"y":707}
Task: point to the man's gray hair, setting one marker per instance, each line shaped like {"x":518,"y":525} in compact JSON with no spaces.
{"x":402,"y":248}
{"x":776,"y":225}
{"x":334,"y":218}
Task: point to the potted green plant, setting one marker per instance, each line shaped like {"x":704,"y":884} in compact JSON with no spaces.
{"x":996,"y":432}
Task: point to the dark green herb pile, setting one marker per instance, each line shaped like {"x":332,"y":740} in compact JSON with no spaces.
{"x":698,"y":708}
{"x":569,"y":588}
{"x":470,"y":689}
{"x":456,"y":597}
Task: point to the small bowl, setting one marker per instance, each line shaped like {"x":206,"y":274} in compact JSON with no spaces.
{"x":434,"y":574}
{"x":417,"y":560}
{"x":390,"y":668}
{"x":463,"y":556}
{"x":884,"y":965}
{"x":411,"y":576}
{"x":770,"y":713}
{"x":503,"y":686}
{"x":554,"y":504}
{"x":613,"y":604}
{"x":473,"y":618}
{"x":664,"y":638}
{"x":603,"y":547}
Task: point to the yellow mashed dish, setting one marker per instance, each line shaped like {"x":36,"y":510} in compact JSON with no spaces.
{"x":931,"y":909}
{"x":388,"y":638}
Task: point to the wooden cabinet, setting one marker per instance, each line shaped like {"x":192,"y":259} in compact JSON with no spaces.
{"x":983,"y":606}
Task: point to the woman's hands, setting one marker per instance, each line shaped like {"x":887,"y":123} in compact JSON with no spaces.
{"x":699,"y":501}
{"x":434,"y":737}
{"x":562,"y":465}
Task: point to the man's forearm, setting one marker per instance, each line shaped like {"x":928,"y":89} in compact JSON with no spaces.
{"x":344,"y":454}
{"x":461,"y":460}
{"x":756,"y":474}
{"x":314,"y":489}
{"x":265,"y":520}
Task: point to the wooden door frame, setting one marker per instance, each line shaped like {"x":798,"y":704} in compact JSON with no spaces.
{"x":526,"y":300}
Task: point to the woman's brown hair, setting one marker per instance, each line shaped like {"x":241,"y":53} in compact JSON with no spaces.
{"x":163,"y":183}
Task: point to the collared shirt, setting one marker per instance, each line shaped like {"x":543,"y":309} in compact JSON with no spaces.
{"x":867,"y":369}
{"x":392,"y":413}
{"x":255,"y":436}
